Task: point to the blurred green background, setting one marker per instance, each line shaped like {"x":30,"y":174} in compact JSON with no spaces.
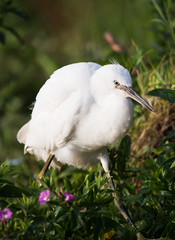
{"x":38,"y":37}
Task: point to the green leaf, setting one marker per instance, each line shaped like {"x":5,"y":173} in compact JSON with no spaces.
{"x":6,"y":171}
{"x":125,"y":145}
{"x":158,"y":21}
{"x":59,"y":212}
{"x":12,"y":191}
{"x":169,"y":160}
{"x":166,"y":94}
{"x":123,"y":152}
{"x":159,"y":10}
{"x":5,"y":181}
{"x":67,"y":184}
{"x":20,"y":13}
{"x":172,"y":165}
{"x":171,"y":134}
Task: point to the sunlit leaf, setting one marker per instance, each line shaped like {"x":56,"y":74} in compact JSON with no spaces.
{"x":172,"y":165}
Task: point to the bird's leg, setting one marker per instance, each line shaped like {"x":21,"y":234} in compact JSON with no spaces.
{"x":45,"y":168}
{"x":105,"y":163}
{"x":119,"y":205}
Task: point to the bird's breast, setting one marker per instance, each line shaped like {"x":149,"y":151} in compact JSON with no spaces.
{"x":105,"y":125}
{"x":118,"y":121}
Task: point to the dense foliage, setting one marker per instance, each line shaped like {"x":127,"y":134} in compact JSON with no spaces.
{"x":77,"y":204}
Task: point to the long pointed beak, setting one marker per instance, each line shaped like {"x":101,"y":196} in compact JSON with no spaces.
{"x":134,"y":95}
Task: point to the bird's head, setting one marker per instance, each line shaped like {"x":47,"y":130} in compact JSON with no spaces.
{"x":115,"y":79}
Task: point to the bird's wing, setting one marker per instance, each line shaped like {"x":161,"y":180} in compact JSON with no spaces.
{"x":51,"y":130}
{"x":57,"y":108}
{"x":22,"y":133}
{"x":62,"y":83}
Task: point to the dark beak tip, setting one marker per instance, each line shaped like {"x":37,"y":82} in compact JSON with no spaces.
{"x":150,"y":108}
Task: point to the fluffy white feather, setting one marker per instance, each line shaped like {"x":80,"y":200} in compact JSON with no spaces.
{"x":77,"y":113}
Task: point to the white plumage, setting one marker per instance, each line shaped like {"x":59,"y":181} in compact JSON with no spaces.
{"x":80,"y":110}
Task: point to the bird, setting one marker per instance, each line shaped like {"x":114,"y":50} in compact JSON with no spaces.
{"x":79,"y":111}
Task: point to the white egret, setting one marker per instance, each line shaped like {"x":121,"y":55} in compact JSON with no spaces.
{"x":80,"y":110}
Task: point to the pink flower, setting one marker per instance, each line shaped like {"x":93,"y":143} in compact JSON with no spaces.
{"x":69,"y":197}
{"x":44,"y":196}
{"x":5,"y":214}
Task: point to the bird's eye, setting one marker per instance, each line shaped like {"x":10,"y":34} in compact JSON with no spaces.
{"x":116,"y":83}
